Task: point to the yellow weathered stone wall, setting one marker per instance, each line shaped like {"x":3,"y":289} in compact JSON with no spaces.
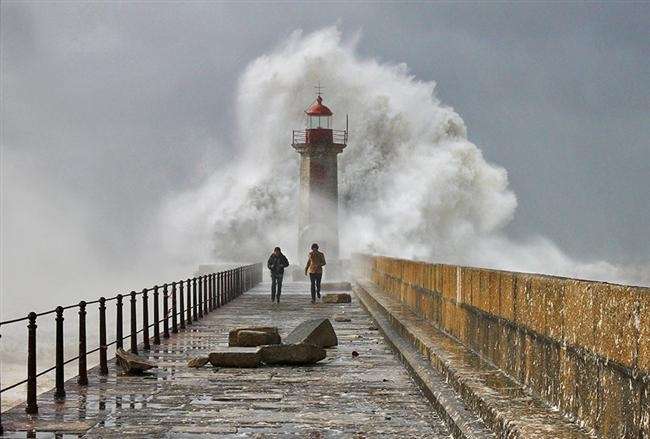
{"x":582,"y":345}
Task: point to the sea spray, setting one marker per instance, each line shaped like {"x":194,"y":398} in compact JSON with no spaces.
{"x":410,"y":182}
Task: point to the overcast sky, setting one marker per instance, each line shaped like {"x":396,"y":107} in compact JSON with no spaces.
{"x":108,"y":107}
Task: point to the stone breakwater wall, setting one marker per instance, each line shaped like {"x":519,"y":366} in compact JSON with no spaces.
{"x":583,"y":346}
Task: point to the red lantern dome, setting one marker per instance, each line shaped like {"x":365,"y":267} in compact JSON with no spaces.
{"x":318,"y":109}
{"x":319,"y":127}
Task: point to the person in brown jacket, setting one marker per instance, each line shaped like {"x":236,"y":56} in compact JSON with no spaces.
{"x":315,"y":263}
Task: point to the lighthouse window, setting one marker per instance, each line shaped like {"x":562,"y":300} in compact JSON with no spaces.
{"x":319,"y":122}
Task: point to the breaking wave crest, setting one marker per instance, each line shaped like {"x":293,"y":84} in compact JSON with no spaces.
{"x":410,"y":182}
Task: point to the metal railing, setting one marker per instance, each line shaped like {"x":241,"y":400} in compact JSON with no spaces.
{"x":338,"y":137}
{"x":191,"y":300}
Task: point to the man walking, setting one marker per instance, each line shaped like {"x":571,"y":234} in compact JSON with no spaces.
{"x":277,"y":262}
{"x":315,"y":263}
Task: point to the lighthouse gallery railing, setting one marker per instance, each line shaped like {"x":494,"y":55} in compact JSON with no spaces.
{"x":338,"y":137}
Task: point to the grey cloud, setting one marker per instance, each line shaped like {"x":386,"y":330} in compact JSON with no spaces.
{"x":119,"y":104}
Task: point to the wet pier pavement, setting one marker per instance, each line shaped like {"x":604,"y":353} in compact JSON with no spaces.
{"x":344,"y":396}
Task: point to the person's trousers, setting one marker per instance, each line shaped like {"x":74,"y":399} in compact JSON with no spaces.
{"x":276,"y":286}
{"x":315,"y":279}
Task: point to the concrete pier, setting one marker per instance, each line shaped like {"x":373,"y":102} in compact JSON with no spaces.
{"x":365,"y":396}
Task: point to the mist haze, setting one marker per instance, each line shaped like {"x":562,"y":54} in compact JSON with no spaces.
{"x":139,"y":140}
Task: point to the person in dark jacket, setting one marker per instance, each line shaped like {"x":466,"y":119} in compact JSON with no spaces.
{"x":277,"y":262}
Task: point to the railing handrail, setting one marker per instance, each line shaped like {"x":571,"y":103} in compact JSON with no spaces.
{"x":338,"y":136}
{"x":74,"y":305}
{"x":207,"y":292}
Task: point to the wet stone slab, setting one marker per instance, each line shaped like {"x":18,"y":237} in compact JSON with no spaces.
{"x":343,"y":396}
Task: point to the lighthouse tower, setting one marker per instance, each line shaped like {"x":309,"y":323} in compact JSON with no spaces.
{"x":319,"y":146}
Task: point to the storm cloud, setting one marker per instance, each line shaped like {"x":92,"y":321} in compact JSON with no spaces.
{"x":109,"y":110}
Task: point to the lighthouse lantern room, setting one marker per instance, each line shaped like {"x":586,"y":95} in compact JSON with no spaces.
{"x":319,"y":127}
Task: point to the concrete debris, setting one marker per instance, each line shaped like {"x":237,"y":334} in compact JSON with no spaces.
{"x":236,"y":357}
{"x":292,"y":354}
{"x":337,"y":298}
{"x":318,"y":332}
{"x":132,"y":364}
{"x":198,"y":362}
{"x":272,"y":336}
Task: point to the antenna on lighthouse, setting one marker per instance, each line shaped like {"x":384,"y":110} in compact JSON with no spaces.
{"x":319,"y":89}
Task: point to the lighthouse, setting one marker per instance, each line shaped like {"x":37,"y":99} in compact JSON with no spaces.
{"x":319,"y":146}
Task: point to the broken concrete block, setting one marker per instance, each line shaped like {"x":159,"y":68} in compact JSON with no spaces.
{"x":236,"y":357}
{"x":292,"y":354}
{"x":249,"y":338}
{"x":234,"y":334}
{"x":198,"y":362}
{"x":132,"y":363}
{"x":337,"y":298}
{"x":318,"y":332}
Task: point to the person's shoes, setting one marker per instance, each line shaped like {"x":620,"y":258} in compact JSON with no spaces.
{"x":318,"y":295}
{"x":278,"y":299}
{"x":313,"y":301}
{"x":272,"y":298}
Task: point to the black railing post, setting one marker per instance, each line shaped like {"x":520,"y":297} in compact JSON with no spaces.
{"x":194,"y":304}
{"x":103,"y":360}
{"x":182,"y":304}
{"x":218,"y":288}
{"x":32,"y":407}
{"x":134,"y":324}
{"x":205,"y":294}
{"x":174,"y":310}
{"x":213,"y":287}
{"x":156,"y":316}
{"x":226,"y":286}
{"x":165,"y":311}
{"x":59,"y":393}
{"x":210,"y":299}
{"x":119,"y":336}
{"x":189,"y":302}
{"x":200,"y":295}
{"x":214,"y":290}
{"x":218,"y":281}
{"x":83,"y":364}
{"x":145,"y":320}
{"x":230,"y":285}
